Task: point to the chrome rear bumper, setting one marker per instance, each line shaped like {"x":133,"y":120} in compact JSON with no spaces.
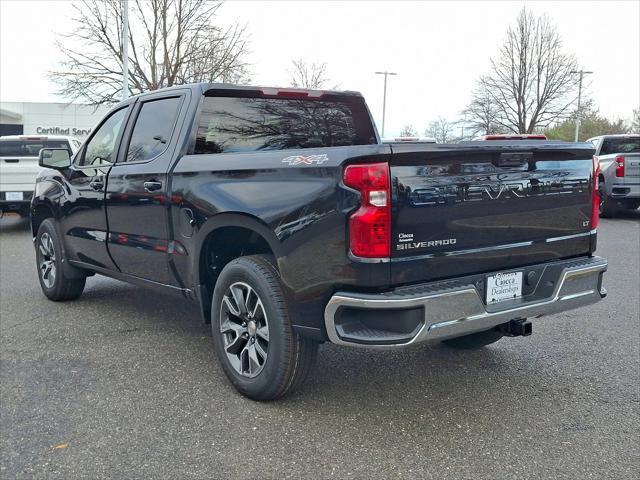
{"x":454,"y":308}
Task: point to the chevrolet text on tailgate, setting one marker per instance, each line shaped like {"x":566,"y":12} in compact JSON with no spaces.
{"x":287,"y":219}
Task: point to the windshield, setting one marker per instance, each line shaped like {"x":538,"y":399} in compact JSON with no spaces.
{"x":620,"y":145}
{"x":28,"y":148}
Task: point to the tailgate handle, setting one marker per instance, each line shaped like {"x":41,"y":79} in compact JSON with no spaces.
{"x":11,"y":160}
{"x":511,"y":159}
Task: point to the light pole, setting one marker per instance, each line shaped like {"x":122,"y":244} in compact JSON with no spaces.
{"x":384,"y":95}
{"x":125,"y":49}
{"x":582,"y":73}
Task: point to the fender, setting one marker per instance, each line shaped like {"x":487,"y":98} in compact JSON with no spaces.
{"x":42,"y":199}
{"x":234,"y":219}
{"x":221,"y":220}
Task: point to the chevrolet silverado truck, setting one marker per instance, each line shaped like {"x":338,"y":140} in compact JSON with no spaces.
{"x":619,"y":179}
{"x":287,"y":219}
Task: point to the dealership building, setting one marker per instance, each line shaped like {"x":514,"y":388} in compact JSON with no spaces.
{"x":29,"y":118}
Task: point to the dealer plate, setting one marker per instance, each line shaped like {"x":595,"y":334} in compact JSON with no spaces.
{"x":504,"y":286}
{"x":13,"y":196}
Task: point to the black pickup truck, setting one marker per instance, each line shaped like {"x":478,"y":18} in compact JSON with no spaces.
{"x":282,"y":213}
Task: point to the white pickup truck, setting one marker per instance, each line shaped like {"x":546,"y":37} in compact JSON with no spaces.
{"x":619,"y":157}
{"x":19,"y":168}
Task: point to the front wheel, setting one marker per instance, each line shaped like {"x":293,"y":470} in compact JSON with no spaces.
{"x":55,"y":284}
{"x":252,"y":333}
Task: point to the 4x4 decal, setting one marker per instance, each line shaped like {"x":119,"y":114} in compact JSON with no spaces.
{"x":306,"y":160}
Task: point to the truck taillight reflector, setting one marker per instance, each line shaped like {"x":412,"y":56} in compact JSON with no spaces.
{"x":619,"y":166}
{"x":595,"y":205}
{"x":370,"y":225}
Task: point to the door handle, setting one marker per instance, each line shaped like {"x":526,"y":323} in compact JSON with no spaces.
{"x":97,"y":184}
{"x":152,"y":186}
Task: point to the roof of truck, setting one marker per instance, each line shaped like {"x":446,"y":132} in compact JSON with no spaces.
{"x":614,"y":135}
{"x":201,"y":88}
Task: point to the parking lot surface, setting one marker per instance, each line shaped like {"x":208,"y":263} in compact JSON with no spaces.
{"x":123,"y":383}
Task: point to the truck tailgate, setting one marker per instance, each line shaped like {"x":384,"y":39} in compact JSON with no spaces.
{"x":632,"y":165}
{"x":475,"y":207}
{"x":18,"y":173}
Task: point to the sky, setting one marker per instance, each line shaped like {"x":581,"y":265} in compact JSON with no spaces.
{"x":438,"y":49}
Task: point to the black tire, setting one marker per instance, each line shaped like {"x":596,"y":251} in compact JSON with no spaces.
{"x":55,"y":284}
{"x":631,"y":204}
{"x":608,"y":207}
{"x":289,"y":357}
{"x":475,"y":340}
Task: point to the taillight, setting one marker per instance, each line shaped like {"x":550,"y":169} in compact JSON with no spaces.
{"x":619,"y":166}
{"x":595,"y":205}
{"x":370,"y":225}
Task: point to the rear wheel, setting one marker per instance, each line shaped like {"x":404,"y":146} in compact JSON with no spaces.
{"x":54,"y":281}
{"x":252,"y":334}
{"x":475,"y":340}
{"x":608,"y":207}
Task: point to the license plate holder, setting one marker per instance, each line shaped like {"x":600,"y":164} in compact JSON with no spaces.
{"x":503,"y":286}
{"x":14,"y":196}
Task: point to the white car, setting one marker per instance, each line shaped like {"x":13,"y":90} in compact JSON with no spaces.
{"x":19,"y":167}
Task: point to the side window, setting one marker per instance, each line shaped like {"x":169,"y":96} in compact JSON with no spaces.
{"x":101,"y":148}
{"x":153,"y":128}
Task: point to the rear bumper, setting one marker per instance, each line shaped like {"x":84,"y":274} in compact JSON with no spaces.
{"x":21,"y":206}
{"x":453,"y":308}
{"x":625,"y":190}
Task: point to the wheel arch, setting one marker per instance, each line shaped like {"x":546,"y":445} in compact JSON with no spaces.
{"x":223,"y":238}
{"x":39,"y":212}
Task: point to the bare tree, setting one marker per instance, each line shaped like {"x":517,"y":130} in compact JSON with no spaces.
{"x":531,"y":83}
{"x":482,"y":115}
{"x":170,"y":42}
{"x":442,"y":130}
{"x":635,"y":121}
{"x":408,"y":131}
{"x":308,"y":75}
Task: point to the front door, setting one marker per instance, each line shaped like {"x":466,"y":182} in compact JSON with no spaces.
{"x":136,"y":199}
{"x":83,"y":221}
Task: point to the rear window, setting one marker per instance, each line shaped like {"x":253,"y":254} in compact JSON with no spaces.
{"x":28,"y":148}
{"x":620,"y":145}
{"x":238,"y":124}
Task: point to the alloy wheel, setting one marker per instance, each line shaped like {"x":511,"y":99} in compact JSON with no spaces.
{"x":244,"y":328}
{"x":47,"y":260}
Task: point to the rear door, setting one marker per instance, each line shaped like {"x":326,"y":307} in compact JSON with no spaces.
{"x":475,"y":207}
{"x":136,"y":199}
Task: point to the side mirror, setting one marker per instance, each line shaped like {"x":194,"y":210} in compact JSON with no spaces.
{"x":58,"y":158}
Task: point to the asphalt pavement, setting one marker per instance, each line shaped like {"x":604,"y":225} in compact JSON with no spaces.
{"x":122,"y":383}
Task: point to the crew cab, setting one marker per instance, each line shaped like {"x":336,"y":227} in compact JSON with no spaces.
{"x":19,"y":167}
{"x":619,"y":182}
{"x":286,"y":218}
